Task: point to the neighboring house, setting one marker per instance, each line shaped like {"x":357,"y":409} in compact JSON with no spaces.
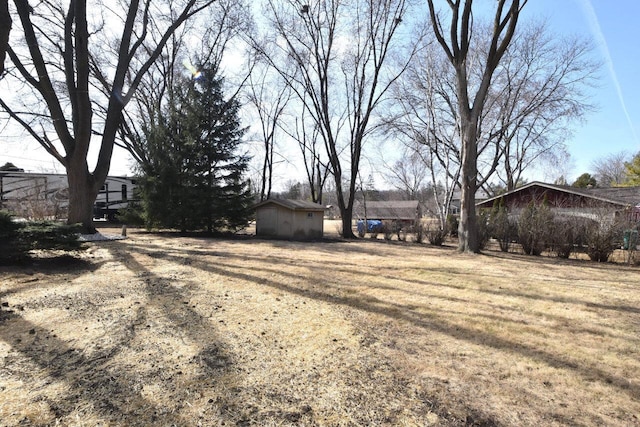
{"x":289,"y":219}
{"x":402,"y":211}
{"x":600,"y":204}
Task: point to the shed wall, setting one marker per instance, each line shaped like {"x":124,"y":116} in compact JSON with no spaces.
{"x":278,"y":221}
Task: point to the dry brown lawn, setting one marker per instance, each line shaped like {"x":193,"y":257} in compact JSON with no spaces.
{"x":165,"y":330}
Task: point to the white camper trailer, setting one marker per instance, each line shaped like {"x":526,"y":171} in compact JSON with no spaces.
{"x":46,"y":195}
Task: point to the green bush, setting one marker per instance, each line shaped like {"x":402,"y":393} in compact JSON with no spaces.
{"x":12,"y":248}
{"x":50,"y":235}
{"x":17,"y":239}
{"x":133,"y":214}
{"x":419,"y":230}
{"x":564,"y":236}
{"x":388,"y":230}
{"x":569,"y":235}
{"x":482,"y":220}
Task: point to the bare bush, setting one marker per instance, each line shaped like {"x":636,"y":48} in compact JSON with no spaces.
{"x":501,"y":227}
{"x":483,"y":229}
{"x":534,"y":228}
{"x":419,"y":231}
{"x":388,"y":231}
{"x":436,"y":234}
{"x":602,"y":239}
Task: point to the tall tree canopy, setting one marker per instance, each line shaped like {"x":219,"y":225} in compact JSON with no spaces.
{"x":455,"y":38}
{"x":537,"y":91}
{"x":335,"y":57}
{"x":70,"y":59}
{"x":193,"y":179}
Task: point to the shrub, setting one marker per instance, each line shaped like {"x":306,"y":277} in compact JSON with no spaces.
{"x":436,"y":234}
{"x":51,"y":235}
{"x":12,"y":248}
{"x":419,"y":230}
{"x":133,"y":214}
{"x":501,"y":227}
{"x":387,"y":230}
{"x":601,"y":239}
{"x":563,"y":238}
{"x":17,"y":239}
{"x":568,"y":235}
{"x":452,"y":225}
{"x":482,"y":220}
{"x":534,"y":228}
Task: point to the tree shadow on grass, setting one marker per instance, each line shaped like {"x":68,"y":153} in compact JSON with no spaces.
{"x":329,"y":292}
{"x":93,"y":375}
{"x":91,"y":380}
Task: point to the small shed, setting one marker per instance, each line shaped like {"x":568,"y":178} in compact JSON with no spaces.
{"x":289,"y":219}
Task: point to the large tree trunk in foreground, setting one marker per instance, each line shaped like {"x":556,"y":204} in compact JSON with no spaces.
{"x":456,"y":41}
{"x":55,"y":64}
{"x":347,"y":218}
{"x":82,"y":195}
{"x":467,"y":228}
{"x":5,"y":28}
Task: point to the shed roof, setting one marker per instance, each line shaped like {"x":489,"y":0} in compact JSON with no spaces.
{"x":393,"y":209}
{"x":294,"y":205}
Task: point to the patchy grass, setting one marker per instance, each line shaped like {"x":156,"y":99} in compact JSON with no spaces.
{"x":160,"y":330}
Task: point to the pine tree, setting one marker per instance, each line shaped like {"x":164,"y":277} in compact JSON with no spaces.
{"x":585,"y":181}
{"x":633,"y":171}
{"x":194,"y":178}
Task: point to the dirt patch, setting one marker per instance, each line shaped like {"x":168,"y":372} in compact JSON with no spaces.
{"x":163,"y":330}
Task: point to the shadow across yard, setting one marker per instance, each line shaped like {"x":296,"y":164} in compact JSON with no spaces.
{"x":167,"y":330}
{"x":327,"y":289}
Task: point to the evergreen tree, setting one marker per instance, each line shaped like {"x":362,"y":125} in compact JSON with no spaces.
{"x":633,"y":171}
{"x":194,"y":177}
{"x":585,"y":181}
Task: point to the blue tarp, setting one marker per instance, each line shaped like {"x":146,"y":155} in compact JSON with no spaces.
{"x":373,"y":225}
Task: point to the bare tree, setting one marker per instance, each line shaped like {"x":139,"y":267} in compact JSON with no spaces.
{"x":425,"y":120}
{"x":456,"y":39}
{"x":538,"y":90}
{"x":408,"y":174}
{"x":54,"y":59}
{"x":269,"y":98}
{"x":610,"y":171}
{"x":340,"y":50}
{"x":307,"y":134}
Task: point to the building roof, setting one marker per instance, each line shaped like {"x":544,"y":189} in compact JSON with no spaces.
{"x":294,"y":205}
{"x":393,"y":209}
{"x":621,"y":196}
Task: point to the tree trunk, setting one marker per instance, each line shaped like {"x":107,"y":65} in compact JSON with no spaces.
{"x":468,"y":226}
{"x":347,"y":215}
{"x":82,"y":195}
{"x":5,"y":28}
